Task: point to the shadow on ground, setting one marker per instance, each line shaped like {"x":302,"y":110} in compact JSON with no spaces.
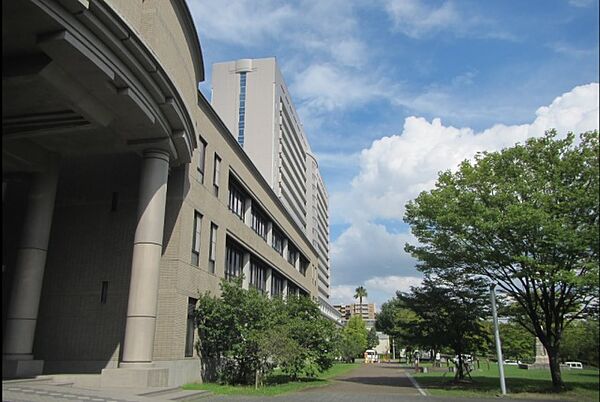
{"x":515,"y":385}
{"x":387,"y":381}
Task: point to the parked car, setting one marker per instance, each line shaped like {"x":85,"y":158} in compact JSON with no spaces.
{"x":512,"y":362}
{"x":574,"y":365}
{"x":371,"y":356}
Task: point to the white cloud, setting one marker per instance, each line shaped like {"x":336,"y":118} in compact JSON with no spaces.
{"x":379,"y":289}
{"x":415,"y":19}
{"x":581,"y":3}
{"x":241,"y":22}
{"x":342,"y":294}
{"x":365,"y":250}
{"x":391,"y":284}
{"x":395,"y":169}
{"x":327,"y":87}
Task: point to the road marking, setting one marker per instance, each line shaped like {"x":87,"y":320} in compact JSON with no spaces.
{"x":415,"y":383}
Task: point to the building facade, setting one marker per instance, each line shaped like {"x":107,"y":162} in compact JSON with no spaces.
{"x":254,"y":102}
{"x":367,"y":311}
{"x":124,"y":195}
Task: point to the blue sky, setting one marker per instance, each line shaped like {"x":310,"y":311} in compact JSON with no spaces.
{"x":392,"y":91}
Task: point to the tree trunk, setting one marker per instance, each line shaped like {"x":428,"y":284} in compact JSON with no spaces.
{"x":554,"y":357}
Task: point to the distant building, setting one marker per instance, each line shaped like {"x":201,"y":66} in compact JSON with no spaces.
{"x":365,"y":310}
{"x":252,"y":99}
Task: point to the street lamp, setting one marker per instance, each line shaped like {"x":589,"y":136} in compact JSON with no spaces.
{"x":497,"y":335}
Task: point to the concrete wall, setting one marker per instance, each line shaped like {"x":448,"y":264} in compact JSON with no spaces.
{"x":89,"y":244}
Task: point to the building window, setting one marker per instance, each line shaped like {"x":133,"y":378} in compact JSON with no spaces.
{"x":216,"y":175}
{"x":104,"y":292}
{"x":276,"y":285}
{"x":259,"y":222}
{"x":258,"y":275}
{"x":303,"y":265}
{"x":242,"y":110}
{"x":196,"y":238}
{"x":189,"y":332}
{"x":233,"y":262}
{"x":277,"y":241}
{"x":237,"y":199}
{"x":292,"y":290}
{"x":292,"y":254}
{"x":201,"y":159}
{"x":212,"y":252}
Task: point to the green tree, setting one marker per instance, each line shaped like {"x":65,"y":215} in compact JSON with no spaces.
{"x":517,"y":342}
{"x":451,"y":314}
{"x":397,"y":321}
{"x":526,"y":218}
{"x":313,"y":333}
{"x":360,"y":293}
{"x":353,"y":341}
{"x":581,"y":342}
{"x":243,"y":335}
{"x":372,"y":339}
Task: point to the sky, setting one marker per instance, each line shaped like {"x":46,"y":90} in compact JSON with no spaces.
{"x":391,"y":92}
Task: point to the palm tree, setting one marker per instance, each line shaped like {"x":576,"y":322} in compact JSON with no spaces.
{"x":360,"y":293}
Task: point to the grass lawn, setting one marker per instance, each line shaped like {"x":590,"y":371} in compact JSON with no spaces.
{"x":276,"y":384}
{"x":582,"y":385}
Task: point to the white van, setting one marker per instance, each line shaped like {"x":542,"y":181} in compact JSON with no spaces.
{"x":371,"y":356}
{"x":574,"y":365}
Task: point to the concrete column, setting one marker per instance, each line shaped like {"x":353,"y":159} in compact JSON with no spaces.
{"x":269,"y":281}
{"x":248,"y":212}
{"x":246,"y":271}
{"x":29,"y":274}
{"x":285,"y":288}
{"x":270,"y":233}
{"x":285,"y":248}
{"x":147,"y":248}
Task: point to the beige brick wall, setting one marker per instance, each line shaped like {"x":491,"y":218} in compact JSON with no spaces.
{"x":88,"y":244}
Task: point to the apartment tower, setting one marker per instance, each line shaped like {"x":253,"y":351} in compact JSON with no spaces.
{"x":253,"y":101}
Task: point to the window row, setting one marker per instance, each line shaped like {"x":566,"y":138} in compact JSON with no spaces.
{"x":257,"y":279}
{"x":202,"y":165}
{"x":196,"y":242}
{"x":259,"y":222}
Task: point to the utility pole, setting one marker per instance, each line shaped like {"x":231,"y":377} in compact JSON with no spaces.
{"x":497,"y":335}
{"x":393,"y":349}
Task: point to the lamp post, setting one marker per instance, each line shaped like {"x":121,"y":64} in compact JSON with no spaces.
{"x":497,"y":336}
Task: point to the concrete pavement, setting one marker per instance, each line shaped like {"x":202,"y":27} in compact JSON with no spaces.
{"x":374,"y":382}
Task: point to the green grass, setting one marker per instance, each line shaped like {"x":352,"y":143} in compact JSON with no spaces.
{"x":582,"y":385}
{"x":277,"y":383}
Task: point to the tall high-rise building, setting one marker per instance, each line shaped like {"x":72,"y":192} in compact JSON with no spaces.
{"x":253,"y":101}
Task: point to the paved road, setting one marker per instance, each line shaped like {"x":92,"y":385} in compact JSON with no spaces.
{"x":376,"y":383}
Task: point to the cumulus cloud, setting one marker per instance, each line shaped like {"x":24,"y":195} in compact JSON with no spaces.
{"x":396,"y":169}
{"x":357,"y":260}
{"x":391,"y":284}
{"x":379,"y":288}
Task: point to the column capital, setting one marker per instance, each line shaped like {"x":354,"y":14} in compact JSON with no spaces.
{"x":157,"y":153}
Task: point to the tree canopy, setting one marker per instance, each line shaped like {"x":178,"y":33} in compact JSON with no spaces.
{"x":450,"y":314}
{"x":525,"y":218}
{"x":360,"y":293}
{"x":243,"y":335}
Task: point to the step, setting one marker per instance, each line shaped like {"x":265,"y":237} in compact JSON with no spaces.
{"x":38,"y":380}
{"x":161,"y":391}
{"x":184,"y":395}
